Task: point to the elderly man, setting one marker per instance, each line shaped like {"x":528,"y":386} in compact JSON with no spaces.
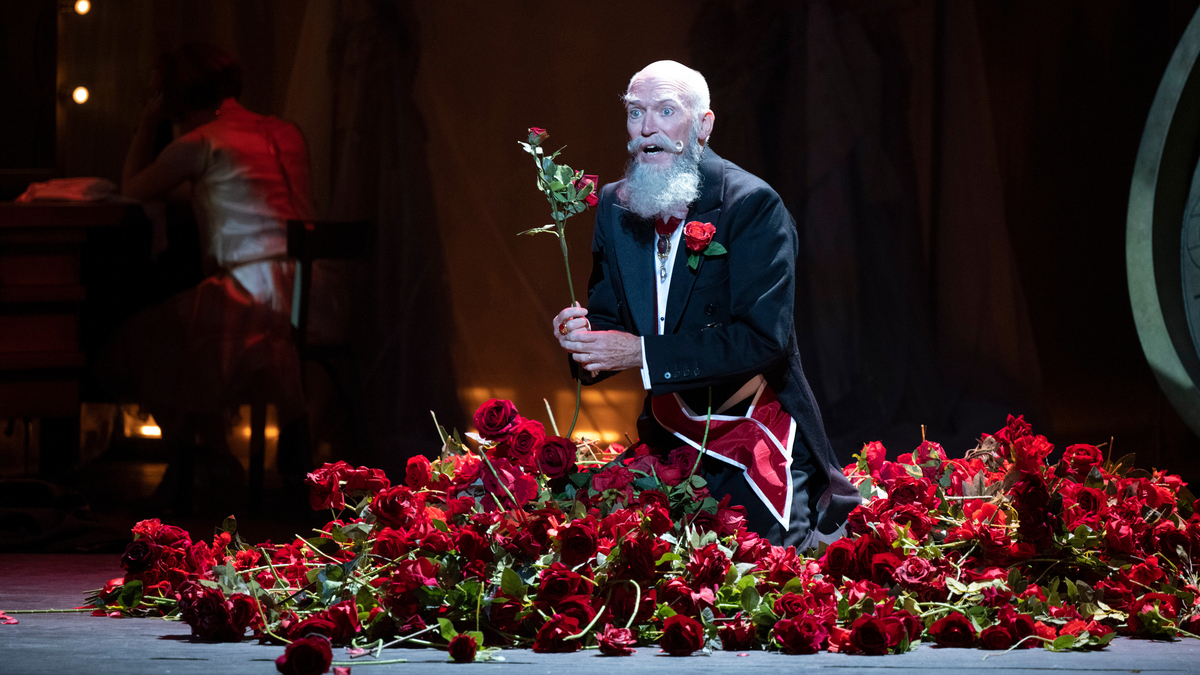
{"x":692,"y":283}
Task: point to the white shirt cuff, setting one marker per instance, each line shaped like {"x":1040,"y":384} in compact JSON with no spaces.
{"x":645,"y":368}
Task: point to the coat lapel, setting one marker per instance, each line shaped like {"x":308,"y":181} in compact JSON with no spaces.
{"x":706,"y":209}
{"x":635,"y":263}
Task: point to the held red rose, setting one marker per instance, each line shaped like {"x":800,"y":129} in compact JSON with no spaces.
{"x":537,"y":135}
{"x":462,"y":648}
{"x":698,"y":235}
{"x":592,"y":197}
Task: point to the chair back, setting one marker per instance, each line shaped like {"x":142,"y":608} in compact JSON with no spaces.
{"x":311,"y":240}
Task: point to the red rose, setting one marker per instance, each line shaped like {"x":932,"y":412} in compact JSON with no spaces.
{"x":556,"y":458}
{"x":681,"y":636}
{"x":616,"y":641}
{"x":1081,"y":458}
{"x":953,"y":630}
{"x":537,"y":135}
{"x":737,"y":635}
{"x":869,"y":635}
{"x":1092,"y":500}
{"x":390,"y":544}
{"x":615,"y":477}
{"x":473,"y":546}
{"x":412,"y":574}
{"x":558,"y":582}
{"x":801,"y":635}
{"x":790,"y":604}
{"x":865,"y":549}
{"x":363,"y":480}
{"x":1030,"y":452}
{"x":623,"y":598}
{"x":592,"y":197}
{"x":875,"y":455}
{"x":140,"y":554}
{"x":651,"y":498}
{"x":699,"y":235}
{"x":496,"y":418}
{"x":324,"y":489}
{"x":552,"y":636}
{"x":344,"y":616}
{"x":397,"y":506}
{"x":707,"y":566}
{"x":523,"y":443}
{"x":418,"y":472}
{"x":838,"y":560}
{"x":995,"y":637}
{"x":730,"y":519}
{"x":462,"y":648}
{"x":578,"y":542}
{"x":306,"y":656}
{"x":503,"y":473}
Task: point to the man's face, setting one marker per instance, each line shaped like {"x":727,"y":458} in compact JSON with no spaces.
{"x":658,"y":121}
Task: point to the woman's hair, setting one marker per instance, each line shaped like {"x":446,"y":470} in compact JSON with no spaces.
{"x":197,"y":76}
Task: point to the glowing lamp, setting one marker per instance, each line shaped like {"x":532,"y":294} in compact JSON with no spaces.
{"x":82,"y":7}
{"x":80,"y":95}
{"x":150,"y":431}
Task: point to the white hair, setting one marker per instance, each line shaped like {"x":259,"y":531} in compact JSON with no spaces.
{"x":695,"y":86}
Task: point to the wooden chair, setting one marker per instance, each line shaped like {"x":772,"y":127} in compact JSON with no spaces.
{"x":307,"y":242}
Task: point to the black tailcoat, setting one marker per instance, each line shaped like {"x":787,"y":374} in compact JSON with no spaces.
{"x":727,"y":321}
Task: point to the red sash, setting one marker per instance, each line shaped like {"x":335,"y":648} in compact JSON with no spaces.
{"x":760,"y":443}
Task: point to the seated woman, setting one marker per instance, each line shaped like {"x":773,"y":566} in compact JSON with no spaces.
{"x":193,"y":359}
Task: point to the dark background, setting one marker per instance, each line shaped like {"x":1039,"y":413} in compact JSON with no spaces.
{"x":959,"y":171}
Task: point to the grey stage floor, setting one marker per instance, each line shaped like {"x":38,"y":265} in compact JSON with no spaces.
{"x":79,"y":643}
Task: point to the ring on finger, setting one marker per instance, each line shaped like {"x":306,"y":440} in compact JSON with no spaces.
{"x":562,"y":328}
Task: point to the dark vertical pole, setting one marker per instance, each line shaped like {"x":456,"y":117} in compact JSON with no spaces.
{"x":937,"y":139}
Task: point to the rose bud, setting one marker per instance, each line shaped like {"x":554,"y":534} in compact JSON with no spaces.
{"x":537,"y":135}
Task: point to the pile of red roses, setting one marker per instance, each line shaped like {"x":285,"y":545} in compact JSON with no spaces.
{"x":519,"y":542}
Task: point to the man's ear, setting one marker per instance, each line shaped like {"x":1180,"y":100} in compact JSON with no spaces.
{"x":706,"y":127}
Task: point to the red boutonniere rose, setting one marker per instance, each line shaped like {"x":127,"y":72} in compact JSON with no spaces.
{"x":699,"y":237}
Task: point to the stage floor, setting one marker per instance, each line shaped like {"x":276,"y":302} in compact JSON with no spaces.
{"x":80,"y":643}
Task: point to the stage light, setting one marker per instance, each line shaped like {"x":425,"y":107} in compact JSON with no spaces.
{"x":82,"y":7}
{"x":150,"y":431}
{"x":80,"y":95}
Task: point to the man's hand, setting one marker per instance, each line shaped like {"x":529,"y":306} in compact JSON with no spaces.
{"x":596,"y":351}
{"x":568,"y":321}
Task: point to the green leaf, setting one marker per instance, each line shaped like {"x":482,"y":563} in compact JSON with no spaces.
{"x":715,"y":248}
{"x":794,"y":585}
{"x":511,"y":583}
{"x":750,"y":599}
{"x":1063,"y":642}
{"x":131,"y":594}
{"x":580,"y":479}
{"x":229,"y":525}
{"x":545,"y":229}
{"x":693,"y":260}
{"x":864,"y":489}
{"x":698,"y":482}
{"x":448,"y":632}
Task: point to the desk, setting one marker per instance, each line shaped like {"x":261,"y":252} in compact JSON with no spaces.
{"x":55,"y":262}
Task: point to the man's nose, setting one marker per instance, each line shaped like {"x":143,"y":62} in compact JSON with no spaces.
{"x":649,"y":127}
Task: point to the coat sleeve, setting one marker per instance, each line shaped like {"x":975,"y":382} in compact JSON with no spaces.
{"x":762,"y":245}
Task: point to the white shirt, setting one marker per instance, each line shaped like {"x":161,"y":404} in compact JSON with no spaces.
{"x":663,"y":283}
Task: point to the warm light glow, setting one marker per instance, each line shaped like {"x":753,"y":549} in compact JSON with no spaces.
{"x":82,"y":7}
{"x":80,"y":95}
{"x":271,"y":431}
{"x":150,"y":431}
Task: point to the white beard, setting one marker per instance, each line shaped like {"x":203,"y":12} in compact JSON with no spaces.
{"x":651,"y":190}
